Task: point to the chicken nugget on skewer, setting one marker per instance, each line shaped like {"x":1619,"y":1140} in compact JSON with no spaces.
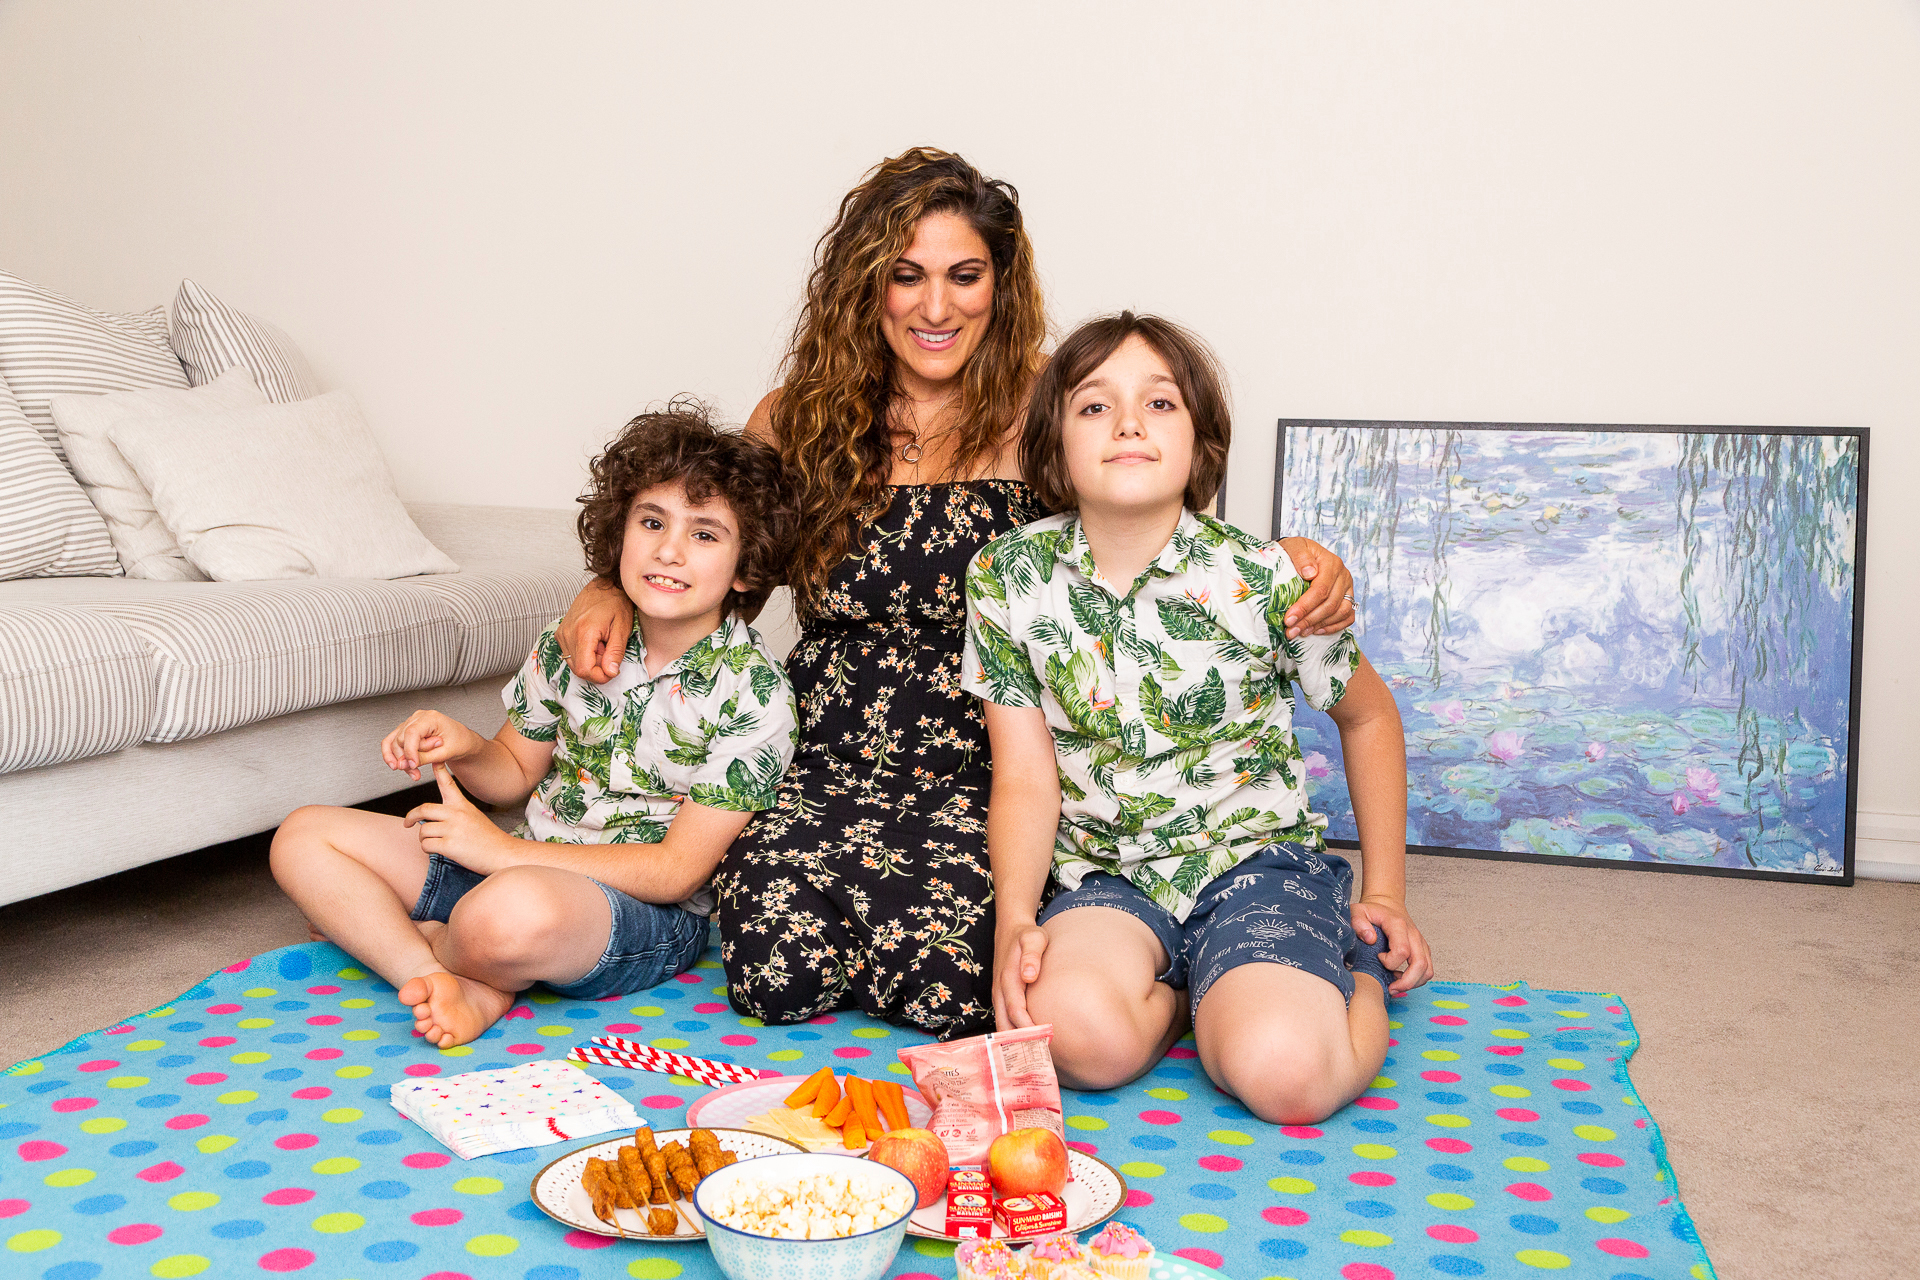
{"x":634,"y":1182}
{"x":598,"y":1182}
{"x":663,"y":1222}
{"x":656,"y":1166}
{"x":706,"y":1151}
{"x":728,"y":1157}
{"x":680,"y":1167}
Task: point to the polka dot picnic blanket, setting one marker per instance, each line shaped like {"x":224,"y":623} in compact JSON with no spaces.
{"x":246,"y":1128}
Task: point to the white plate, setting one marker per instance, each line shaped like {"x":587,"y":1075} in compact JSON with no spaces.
{"x":557,"y":1190}
{"x":1094,"y":1194}
{"x":737,"y":1103}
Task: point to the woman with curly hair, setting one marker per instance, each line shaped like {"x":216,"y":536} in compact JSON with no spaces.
{"x":898,"y":417}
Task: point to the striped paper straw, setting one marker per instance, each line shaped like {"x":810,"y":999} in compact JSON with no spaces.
{"x":592,"y":1055}
{"x":679,"y":1063}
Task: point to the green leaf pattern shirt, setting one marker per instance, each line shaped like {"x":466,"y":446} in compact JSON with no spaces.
{"x":716,"y":726}
{"x":1170,"y":701}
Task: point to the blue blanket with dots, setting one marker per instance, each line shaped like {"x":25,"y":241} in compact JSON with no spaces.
{"x":245,"y":1128}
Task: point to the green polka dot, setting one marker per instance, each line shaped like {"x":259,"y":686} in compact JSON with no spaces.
{"x":1291,"y":1186}
{"x":254,"y":1024}
{"x":668,"y":1042}
{"x":785,"y":1055}
{"x":492,"y":1246}
{"x":1526,"y":1164}
{"x":259,"y":993}
{"x":1449,"y":1201}
{"x":1545,"y":1259}
{"x":1167,"y":1095}
{"x":147,"y":1046}
{"x":1230,"y":1138}
{"x":353,"y":1073}
{"x":899,"y":1068}
{"x":542,"y":997}
{"x":1085,"y":1122}
{"x":1441,"y":1055}
{"x":653,"y":1269}
{"x":351,"y":974}
{"x":649,"y":1010}
{"x":1567,"y":1064}
{"x":358,"y":1002}
{"x":33,"y":1241}
{"x":103,"y":1124}
{"x":179,"y":1265}
{"x":871,"y":1033}
{"x":127,"y":1082}
{"x":361,"y":1035}
{"x":546,"y":1031}
{"x":341,"y":1115}
{"x":478,"y":1186}
{"x":338,"y":1224}
{"x":457,"y":1051}
{"x":191,"y":1201}
{"x":1511,"y":1033}
{"x":1367,"y":1239}
{"x":1593,"y":1133}
{"x":750,"y":1022}
{"x":1374,"y":1151}
{"x":1510,"y":1091}
{"x":1382,"y":1082}
{"x":337,"y":1164}
{"x":934,"y":1248}
{"x":1206,"y":1222}
{"x":1142,"y":1169}
{"x":215,"y":1143}
{"x":238,"y":1096}
{"x":249,"y":1059}
{"x":1449,"y":1121}
{"x":1601,"y":1213}
{"x":68,"y":1177}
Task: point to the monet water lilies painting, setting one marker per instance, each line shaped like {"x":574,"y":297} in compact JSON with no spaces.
{"x":1632,"y":645}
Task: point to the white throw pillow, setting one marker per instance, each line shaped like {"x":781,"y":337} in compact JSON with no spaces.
{"x":140,"y":537}
{"x":279,"y":491}
{"x":211,"y":337}
{"x":48,"y":529}
{"x":50,"y":345}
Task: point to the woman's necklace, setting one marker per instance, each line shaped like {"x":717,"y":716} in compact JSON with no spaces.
{"x":912,"y":450}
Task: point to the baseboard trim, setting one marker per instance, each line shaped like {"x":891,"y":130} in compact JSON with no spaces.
{"x":1886,"y":846}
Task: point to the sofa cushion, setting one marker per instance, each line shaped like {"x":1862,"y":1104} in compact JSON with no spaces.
{"x":73,"y":683}
{"x":47,"y":526}
{"x":520,"y":569}
{"x":230,"y":653}
{"x":211,"y":337}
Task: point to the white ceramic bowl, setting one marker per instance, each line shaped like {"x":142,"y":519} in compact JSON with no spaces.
{"x":742,"y":1255}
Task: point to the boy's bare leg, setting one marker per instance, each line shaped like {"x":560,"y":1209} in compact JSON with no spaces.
{"x":1111,"y":1020}
{"x":1283,"y":1042}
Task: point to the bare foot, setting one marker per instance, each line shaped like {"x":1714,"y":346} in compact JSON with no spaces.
{"x":449,"y":1009}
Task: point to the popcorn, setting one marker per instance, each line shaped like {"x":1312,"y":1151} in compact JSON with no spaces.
{"x":818,"y":1206}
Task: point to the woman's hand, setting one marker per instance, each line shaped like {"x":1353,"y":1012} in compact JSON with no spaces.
{"x":1327,"y":606}
{"x":456,"y":829}
{"x":1407,"y":952}
{"x":1016,"y":966}
{"x":428,"y":737}
{"x":593,"y":635}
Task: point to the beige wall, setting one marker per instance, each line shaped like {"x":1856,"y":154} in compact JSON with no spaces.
{"x":507,"y":226}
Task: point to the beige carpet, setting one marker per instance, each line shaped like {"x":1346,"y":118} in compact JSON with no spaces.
{"x":1777,"y":1052}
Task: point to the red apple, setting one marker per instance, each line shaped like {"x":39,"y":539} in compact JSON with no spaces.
{"x":920,"y":1155}
{"x":1023,"y":1161}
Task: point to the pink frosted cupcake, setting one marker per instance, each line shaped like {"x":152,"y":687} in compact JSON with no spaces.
{"x":1121,"y":1252}
{"x":1057,"y":1257}
{"x":987,"y":1260}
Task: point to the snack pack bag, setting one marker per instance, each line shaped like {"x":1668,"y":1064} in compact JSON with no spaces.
{"x":986,"y":1086}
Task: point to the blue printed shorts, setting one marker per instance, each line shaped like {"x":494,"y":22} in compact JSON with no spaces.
{"x":647,"y":945}
{"x":1284,"y":905}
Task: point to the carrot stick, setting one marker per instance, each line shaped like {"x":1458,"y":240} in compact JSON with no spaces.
{"x":809,"y":1088}
{"x":842,"y":1111}
{"x":861,"y":1091}
{"x":829,"y":1094}
{"x":853,"y":1137}
{"x":893,"y":1103}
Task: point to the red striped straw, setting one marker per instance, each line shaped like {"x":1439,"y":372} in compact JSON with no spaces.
{"x":680,"y":1064}
{"x":598,"y":1057}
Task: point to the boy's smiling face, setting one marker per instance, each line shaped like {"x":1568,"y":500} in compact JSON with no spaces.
{"x":679,"y":560}
{"x":1128,"y":435}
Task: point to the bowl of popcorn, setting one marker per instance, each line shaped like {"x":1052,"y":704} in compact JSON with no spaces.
{"x":805,"y":1217}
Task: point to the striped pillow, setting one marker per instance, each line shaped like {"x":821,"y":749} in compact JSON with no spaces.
{"x":48,"y":529}
{"x":50,"y":344}
{"x":211,"y":337}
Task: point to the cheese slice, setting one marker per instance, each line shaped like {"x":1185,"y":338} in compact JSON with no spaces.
{"x":801,"y":1126}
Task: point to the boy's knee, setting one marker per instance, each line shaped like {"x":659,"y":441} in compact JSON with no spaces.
{"x":513,"y":915}
{"x":1283,"y":1080}
{"x":1100,"y":1040}
{"x":299,"y":833}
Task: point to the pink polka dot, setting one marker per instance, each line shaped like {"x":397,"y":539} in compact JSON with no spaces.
{"x":852,"y":1051}
{"x":1511,"y":1002}
{"x":1371,"y":1178}
{"x":1572,"y":1086}
{"x":1530,"y":1191}
{"x":1601,"y":1159}
{"x":1364,"y":1271}
{"x":661,"y":1102}
{"x":916,"y":1275}
{"x":1452,"y":1234}
{"x":1448,"y":1020}
{"x":426,"y":1159}
{"x":14,"y":1208}
{"x":313,"y":1092}
{"x":1377,"y":1104}
{"x":1639,"y":1124}
{"x":437,"y":1217}
{"x":75,"y":1104}
{"x":120,"y":1030}
{"x":1205,"y":1257}
{"x":1614,"y":1008}
{"x":38,"y":1150}
{"x":295,"y":1141}
{"x":287,"y":1195}
{"x":710,"y":1007}
{"x":134,"y":1233}
{"x":824,"y":1020}
{"x":322,"y":1055}
{"x":423,"y":1069}
{"x":1180,"y":1051}
{"x":1440,"y":1077}
{"x":240,"y":967}
{"x":223,"y":1008}
{"x":526,"y":1050}
{"x":1137,"y":1199}
{"x":1219,"y":1164}
{"x":1519,"y":1114}
{"x":98,"y":1064}
{"x":448,"y":1275}
{"x":216,"y":1042}
{"x":1284,"y":1217}
{"x":286,"y":1260}
{"x":1391,"y":1042}
{"x":1087,"y":1147}
{"x":165,"y":1171}
{"x":1160,"y":1117}
{"x":1506,"y":1050}
{"x":324,"y":1020}
{"x":207,"y":1077}
{"x":1299,"y":1131}
{"x":1621,"y":1248}
{"x":323,"y":990}
{"x":1450,"y":1146}
{"x":186,"y":1122}
{"x":739,"y":1040}
{"x":688,"y":978}
{"x":587,"y":1240}
{"x":621,"y":1029}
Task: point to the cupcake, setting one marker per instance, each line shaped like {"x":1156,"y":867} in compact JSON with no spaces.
{"x":987,"y":1260}
{"x":1119,"y":1251}
{"x":1057,"y":1257}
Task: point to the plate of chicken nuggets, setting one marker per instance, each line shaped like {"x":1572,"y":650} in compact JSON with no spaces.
{"x":641,"y":1187}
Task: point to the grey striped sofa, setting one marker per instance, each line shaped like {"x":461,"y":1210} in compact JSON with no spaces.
{"x":141,"y":719}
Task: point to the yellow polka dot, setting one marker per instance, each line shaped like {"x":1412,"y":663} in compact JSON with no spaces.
{"x":648,"y":1010}
{"x":542,"y":997}
{"x":1593,"y":1133}
{"x":1451,"y":1004}
{"x":1231,"y":1138}
{"x":147,"y":1046}
{"x":1449,"y":1121}
{"x":33,"y":1241}
{"x":1167,"y":1095}
{"x":1545,"y":1259}
{"x":215,"y":1143}
{"x":457,"y":1051}
{"x":179,"y":1266}
{"x":259,"y":993}
{"x":478,"y":1186}
{"x":358,"y":1002}
{"x":934,"y":1248}
{"x":1510,"y":1091}
{"x":361,"y":1035}
{"x":667,"y":1269}
{"x":126,"y":1082}
{"x":686,"y":1082}
{"x":1085,"y":1122}
{"x":1367,"y":1239}
{"x":68,"y":1177}
{"x":1512,"y":1033}
{"x":190,"y":1201}
{"x":899,"y":1069}
{"x":1567,"y":1064}
{"x":161,"y":1013}
{"x":1383,"y":1082}
{"x":238,"y":1096}
{"x":1441,"y":1055}
{"x":668,"y":1042}
{"x":492,"y":1246}
{"x":1526,"y":1164}
{"x":1573,"y":1013}
{"x":717,"y":991}
{"x":103,"y":1124}
{"x":351,"y":974}
{"x":1291,"y":1186}
{"x":1142,"y":1169}
{"x":1394,"y":1026}
{"x":249,"y":1059}
{"x":1449,"y":1201}
{"x":254,"y":1024}
{"x":1206,"y":1222}
{"x":871,"y":1033}
{"x":750,"y":1022}
{"x":1601,"y":1213}
{"x":353,"y":1073}
{"x":553,"y":1031}
{"x":1699,"y":1271}
{"x":26,"y":1069}
{"x":1374,"y":1151}
{"x":341,"y":1115}
{"x":337,"y":1164}
{"x":785,"y":1055}
{"x":338,"y":1224}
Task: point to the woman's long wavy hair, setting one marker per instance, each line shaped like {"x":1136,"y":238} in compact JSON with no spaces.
{"x":839,"y":377}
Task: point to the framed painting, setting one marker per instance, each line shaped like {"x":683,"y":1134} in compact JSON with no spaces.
{"x":1617,"y":645}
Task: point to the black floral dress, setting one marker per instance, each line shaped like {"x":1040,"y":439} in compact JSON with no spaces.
{"x":867,"y":885}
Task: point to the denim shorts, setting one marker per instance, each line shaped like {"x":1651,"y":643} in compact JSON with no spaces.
{"x":647,"y":945}
{"x":1284,"y":905}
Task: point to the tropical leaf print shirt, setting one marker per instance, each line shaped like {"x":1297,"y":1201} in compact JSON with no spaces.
{"x":716,"y":726}
{"x":1170,"y":701}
